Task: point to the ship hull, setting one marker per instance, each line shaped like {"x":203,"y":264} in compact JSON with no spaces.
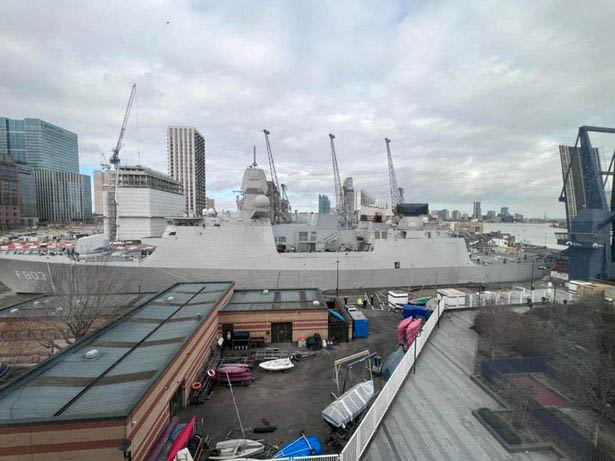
{"x":29,"y":276}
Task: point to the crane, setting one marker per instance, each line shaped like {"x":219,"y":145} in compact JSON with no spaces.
{"x":281,"y":212}
{"x":115,"y":156}
{"x":340,"y":203}
{"x":114,"y":161}
{"x":397,"y":193}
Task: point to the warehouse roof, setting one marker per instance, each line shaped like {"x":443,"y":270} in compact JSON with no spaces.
{"x":132,"y":352}
{"x":265,"y":300}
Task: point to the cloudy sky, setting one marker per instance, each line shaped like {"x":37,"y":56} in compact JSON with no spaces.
{"x":475,"y":96}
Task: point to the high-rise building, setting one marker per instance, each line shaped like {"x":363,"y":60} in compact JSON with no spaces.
{"x":62,"y":196}
{"x":324,"y":204}
{"x":491,"y":214}
{"x":9,"y":194}
{"x":52,"y":153}
{"x":504,"y":211}
{"x":455,"y":215}
{"x":186,"y":159}
{"x":476,"y":214}
{"x":210,"y":203}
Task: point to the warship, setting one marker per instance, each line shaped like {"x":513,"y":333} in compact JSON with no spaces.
{"x":245,"y":247}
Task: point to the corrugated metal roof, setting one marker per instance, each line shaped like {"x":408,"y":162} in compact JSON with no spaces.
{"x":133,"y":350}
{"x":262,"y":300}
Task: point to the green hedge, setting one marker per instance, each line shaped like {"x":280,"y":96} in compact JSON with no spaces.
{"x":500,"y":426}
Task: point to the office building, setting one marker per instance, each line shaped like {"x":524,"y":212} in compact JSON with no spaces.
{"x":210,"y":203}
{"x":186,"y":160}
{"x":9,"y":194}
{"x":28,"y":209}
{"x":504,"y":211}
{"x":52,"y":154}
{"x":324,"y":204}
{"x":455,"y":215}
{"x":476,"y":214}
{"x":491,"y":214}
{"x":63,"y":197}
{"x":99,"y":182}
{"x":145,"y":198}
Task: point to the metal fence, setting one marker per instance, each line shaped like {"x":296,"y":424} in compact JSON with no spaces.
{"x":366,"y":430}
{"x":566,"y":433}
{"x":516,"y":296}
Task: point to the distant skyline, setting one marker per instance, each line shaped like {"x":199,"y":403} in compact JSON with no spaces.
{"x":475,"y":96}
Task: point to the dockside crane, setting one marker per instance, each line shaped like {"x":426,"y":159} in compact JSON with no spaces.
{"x":281,"y":213}
{"x":397,"y":193}
{"x":114,"y":161}
{"x":340,"y":202}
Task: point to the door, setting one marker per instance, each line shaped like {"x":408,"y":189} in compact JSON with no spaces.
{"x":177,"y":401}
{"x":281,"y":332}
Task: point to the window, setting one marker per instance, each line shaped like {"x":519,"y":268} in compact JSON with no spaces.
{"x":377,"y":234}
{"x":397,"y":265}
{"x":303,"y":236}
{"x":313,"y":236}
{"x":281,"y":239}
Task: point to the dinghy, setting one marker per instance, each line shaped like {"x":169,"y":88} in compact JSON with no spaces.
{"x":236,"y":448}
{"x":277,"y":365}
{"x":303,"y":446}
{"x":350,"y":405}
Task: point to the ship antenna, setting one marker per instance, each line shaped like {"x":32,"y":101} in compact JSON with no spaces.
{"x":254,"y":152}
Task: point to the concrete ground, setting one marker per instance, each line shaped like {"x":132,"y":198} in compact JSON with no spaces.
{"x":431,"y":417}
{"x":293,"y":401}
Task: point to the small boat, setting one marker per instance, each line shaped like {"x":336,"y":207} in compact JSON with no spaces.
{"x":303,"y":446}
{"x":236,"y":448}
{"x":182,"y":439}
{"x":277,"y":365}
{"x":350,"y":405}
{"x":243,"y":376}
{"x":401,"y":329}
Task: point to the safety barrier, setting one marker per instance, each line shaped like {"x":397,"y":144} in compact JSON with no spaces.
{"x":366,"y":430}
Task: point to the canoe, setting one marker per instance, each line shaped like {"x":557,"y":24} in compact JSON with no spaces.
{"x":401,"y":329}
{"x":277,"y":365}
{"x":350,"y":405}
{"x":236,"y":448}
{"x":223,"y":376}
{"x":182,"y":439}
{"x":303,"y":446}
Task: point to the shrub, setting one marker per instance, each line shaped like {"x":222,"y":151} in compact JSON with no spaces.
{"x":500,"y":426}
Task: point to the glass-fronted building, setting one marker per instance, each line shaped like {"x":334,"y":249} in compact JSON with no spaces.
{"x":60,"y":193}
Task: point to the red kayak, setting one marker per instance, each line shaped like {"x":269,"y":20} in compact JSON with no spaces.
{"x":182,"y":439}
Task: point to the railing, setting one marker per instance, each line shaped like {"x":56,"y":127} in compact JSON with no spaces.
{"x":309,"y":458}
{"x":508,"y":298}
{"x":366,"y":430}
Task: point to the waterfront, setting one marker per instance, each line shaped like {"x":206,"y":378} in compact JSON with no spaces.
{"x":534,"y":234}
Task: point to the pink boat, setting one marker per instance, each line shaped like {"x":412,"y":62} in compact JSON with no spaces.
{"x":412,"y":331}
{"x":401,"y":329}
{"x":234,"y":374}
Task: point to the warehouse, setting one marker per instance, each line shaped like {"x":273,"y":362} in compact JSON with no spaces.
{"x":276,"y":316}
{"x":123,"y":383}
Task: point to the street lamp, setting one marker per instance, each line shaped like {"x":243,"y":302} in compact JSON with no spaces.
{"x":337,"y":279}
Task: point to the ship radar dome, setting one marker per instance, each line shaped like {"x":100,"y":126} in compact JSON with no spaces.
{"x":261,"y":201}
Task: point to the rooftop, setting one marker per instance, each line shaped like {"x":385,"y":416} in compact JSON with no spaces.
{"x":134,"y":351}
{"x":265,"y":300}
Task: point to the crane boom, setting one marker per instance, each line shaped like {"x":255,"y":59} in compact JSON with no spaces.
{"x":274,"y":174}
{"x":115,"y":156}
{"x":397,"y":193}
{"x":340,"y":204}
{"x":282,"y":208}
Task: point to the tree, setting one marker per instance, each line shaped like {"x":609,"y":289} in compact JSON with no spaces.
{"x":498,"y":327}
{"x":79,"y":298}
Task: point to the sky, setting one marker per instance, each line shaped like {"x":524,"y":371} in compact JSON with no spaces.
{"x":475,"y":96}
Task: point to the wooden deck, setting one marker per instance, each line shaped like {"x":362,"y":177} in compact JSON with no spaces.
{"x":431,"y":417}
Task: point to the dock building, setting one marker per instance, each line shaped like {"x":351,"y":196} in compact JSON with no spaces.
{"x":145,"y":198}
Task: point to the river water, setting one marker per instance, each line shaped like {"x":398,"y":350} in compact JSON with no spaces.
{"x":534,"y":234}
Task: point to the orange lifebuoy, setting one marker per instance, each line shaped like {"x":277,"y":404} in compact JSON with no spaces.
{"x":197,"y":385}
{"x":211,"y":373}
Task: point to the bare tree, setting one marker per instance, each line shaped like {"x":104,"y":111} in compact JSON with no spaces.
{"x":498,"y":327}
{"x":79,"y":298}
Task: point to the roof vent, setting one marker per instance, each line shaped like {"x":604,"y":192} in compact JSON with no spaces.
{"x":12,"y":311}
{"x":170,"y":298}
{"x":316,"y":303}
{"x":92,"y":354}
{"x":265,"y":292}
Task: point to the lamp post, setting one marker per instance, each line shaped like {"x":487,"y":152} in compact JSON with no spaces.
{"x":337,"y":279}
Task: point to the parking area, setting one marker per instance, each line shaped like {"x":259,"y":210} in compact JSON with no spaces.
{"x":293,"y":401}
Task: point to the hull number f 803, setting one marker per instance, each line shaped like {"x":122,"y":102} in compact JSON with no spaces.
{"x":31,"y":275}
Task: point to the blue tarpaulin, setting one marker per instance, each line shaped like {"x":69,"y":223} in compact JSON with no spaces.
{"x":337,"y":315}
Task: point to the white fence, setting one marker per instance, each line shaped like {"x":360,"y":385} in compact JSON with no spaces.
{"x":506,"y":298}
{"x":366,"y":430}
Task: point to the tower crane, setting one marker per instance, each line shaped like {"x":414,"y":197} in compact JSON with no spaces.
{"x":114,"y":161}
{"x":340,"y":203}
{"x":397,"y":193}
{"x":281,"y":212}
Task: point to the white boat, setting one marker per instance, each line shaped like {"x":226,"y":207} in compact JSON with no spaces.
{"x":349,"y":406}
{"x":277,"y":365}
{"x":236,"y":448}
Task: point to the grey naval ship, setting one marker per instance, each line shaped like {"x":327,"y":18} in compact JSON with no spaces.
{"x":245,"y":247}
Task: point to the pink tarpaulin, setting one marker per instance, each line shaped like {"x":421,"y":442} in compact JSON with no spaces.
{"x":182,"y":439}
